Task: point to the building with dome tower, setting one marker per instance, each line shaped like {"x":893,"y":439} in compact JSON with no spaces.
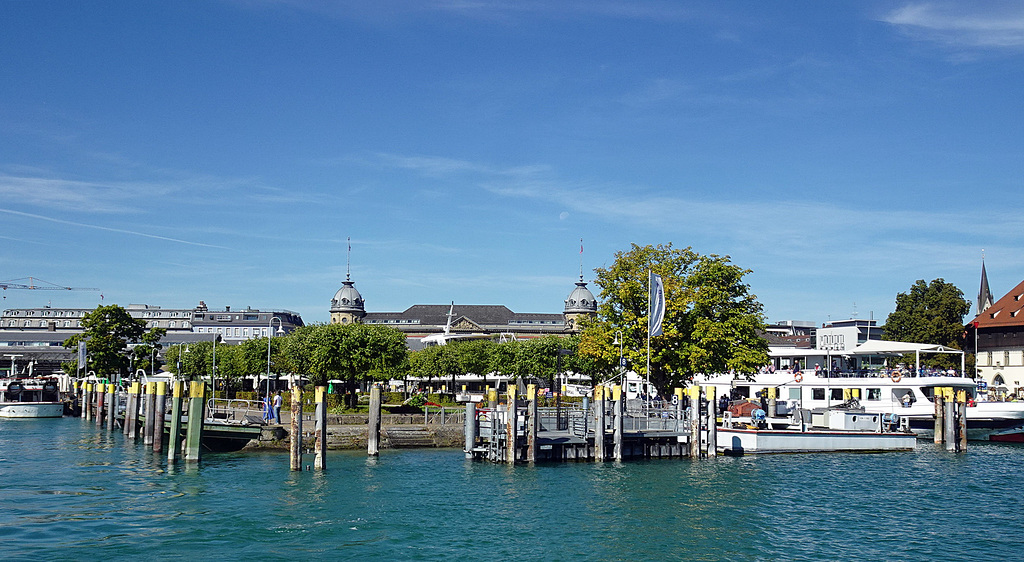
{"x":347,"y":306}
{"x":580,"y":304}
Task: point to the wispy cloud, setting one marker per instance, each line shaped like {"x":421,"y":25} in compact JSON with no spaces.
{"x":80,"y":196}
{"x":109,"y":229}
{"x":963,"y":24}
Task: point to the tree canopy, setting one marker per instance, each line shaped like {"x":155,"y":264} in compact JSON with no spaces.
{"x":712,"y":321}
{"x":108,"y":331}
{"x":931,"y":313}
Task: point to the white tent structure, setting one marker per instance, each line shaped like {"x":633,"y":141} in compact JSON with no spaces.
{"x":894,"y":348}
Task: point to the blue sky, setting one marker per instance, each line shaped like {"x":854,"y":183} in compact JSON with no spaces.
{"x":169,"y":153}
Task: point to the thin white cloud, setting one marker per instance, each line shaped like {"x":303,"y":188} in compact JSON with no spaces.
{"x":80,"y":196}
{"x":109,"y":229}
{"x":963,"y":24}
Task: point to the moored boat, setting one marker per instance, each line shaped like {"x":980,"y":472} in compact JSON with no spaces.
{"x":30,"y":398}
{"x":832,"y":430}
{"x":1012,"y":435}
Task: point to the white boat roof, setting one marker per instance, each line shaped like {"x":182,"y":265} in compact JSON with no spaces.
{"x":878,"y":347}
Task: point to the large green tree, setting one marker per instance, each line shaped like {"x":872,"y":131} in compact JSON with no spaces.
{"x":931,"y":313}
{"x":712,"y":320}
{"x":107,"y":332}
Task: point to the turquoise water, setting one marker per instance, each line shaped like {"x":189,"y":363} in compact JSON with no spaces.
{"x":72,"y":491}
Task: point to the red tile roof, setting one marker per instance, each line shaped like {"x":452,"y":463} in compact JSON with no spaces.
{"x":1005,"y":311}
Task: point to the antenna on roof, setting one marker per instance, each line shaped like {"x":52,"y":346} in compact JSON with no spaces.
{"x":348,"y":262}
{"x":581,"y":259}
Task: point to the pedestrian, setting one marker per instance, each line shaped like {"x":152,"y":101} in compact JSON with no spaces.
{"x":266,"y":409}
{"x":277,"y":407}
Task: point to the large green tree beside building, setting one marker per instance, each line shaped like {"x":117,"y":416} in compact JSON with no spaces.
{"x":713,"y":323}
{"x":931,"y":313}
{"x":107,"y":332}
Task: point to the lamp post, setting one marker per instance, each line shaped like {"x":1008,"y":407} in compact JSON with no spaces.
{"x":270,"y":334}
{"x":622,"y":368}
{"x":558,"y":376}
{"x":213,"y":375}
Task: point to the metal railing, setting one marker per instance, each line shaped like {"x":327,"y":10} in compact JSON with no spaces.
{"x":234,"y":410}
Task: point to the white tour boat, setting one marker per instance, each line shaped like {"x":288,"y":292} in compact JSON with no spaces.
{"x":832,"y":430}
{"x":30,"y":398}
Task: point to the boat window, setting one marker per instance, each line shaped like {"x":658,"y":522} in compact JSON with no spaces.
{"x":741,"y":392}
{"x":899,"y":393}
{"x":817,"y":393}
{"x":874,"y":394}
{"x":837,"y":394}
{"x":794,"y":394}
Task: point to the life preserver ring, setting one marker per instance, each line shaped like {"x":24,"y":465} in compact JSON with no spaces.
{"x":799,"y":377}
{"x":896,"y":377}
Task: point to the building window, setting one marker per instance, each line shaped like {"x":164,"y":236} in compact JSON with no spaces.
{"x":173,"y":325}
{"x":245,"y":332}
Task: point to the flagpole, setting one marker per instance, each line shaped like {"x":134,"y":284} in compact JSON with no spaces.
{"x":647,"y":375}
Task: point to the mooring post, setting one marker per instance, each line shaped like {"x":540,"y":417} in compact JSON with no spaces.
{"x":158,"y":416}
{"x":87,"y":403}
{"x":373,"y":431}
{"x":295,"y":451}
{"x":320,"y":462}
{"x":492,"y":397}
{"x":100,"y":402}
{"x":196,"y":417}
{"x":148,"y":429}
{"x":694,"y":393}
{"x":531,"y":423}
{"x":961,"y":405}
{"x":511,"y":425}
{"x":620,"y":409}
{"x":174,"y":432}
{"x":709,"y":392}
{"x":773,"y":404}
{"x":470,"y":429}
{"x":950,"y":419}
{"x":111,"y":405}
{"x":131,"y":415}
{"x":677,"y":394}
{"x":599,"y":419}
{"x":940,"y":411}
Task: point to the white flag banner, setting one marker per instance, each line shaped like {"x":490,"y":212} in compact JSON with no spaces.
{"x":656,"y":308}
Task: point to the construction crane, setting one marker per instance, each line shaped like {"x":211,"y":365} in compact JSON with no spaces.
{"x":38,"y":285}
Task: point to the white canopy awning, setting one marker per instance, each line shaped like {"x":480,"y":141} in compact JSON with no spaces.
{"x":880,"y":347}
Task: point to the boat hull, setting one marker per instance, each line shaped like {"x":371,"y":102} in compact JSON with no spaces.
{"x":732,"y":441}
{"x":32,"y":410}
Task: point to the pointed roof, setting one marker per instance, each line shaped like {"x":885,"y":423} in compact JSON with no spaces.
{"x":1005,"y":311}
{"x":984,"y":294}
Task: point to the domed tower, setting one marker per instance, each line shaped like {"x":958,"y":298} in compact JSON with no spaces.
{"x":580,"y":304}
{"x":347,"y":304}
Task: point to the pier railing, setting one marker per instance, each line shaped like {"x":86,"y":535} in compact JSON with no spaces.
{"x":235,"y":409}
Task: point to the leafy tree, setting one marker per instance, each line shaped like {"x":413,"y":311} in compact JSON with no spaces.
{"x":107,"y":331}
{"x":931,"y":313}
{"x":712,"y":320}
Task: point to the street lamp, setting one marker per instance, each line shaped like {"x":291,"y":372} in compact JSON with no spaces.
{"x":558,"y":396}
{"x":270,"y":334}
{"x":622,"y":367}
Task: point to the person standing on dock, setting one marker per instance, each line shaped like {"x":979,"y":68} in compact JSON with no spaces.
{"x":267,"y":411}
{"x":277,"y":407}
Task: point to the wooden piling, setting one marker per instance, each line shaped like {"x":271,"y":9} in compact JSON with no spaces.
{"x":773,"y":403}
{"x":470,"y":429}
{"x":131,"y":415}
{"x":949,"y":416}
{"x":158,"y":416}
{"x":295,"y":451}
{"x":712,"y":450}
{"x":373,"y":438}
{"x":101,"y":399}
{"x":694,"y":393}
{"x":196,"y":417}
{"x":492,"y":397}
{"x":150,"y":426}
{"x":174,"y":431}
{"x":599,"y":421}
{"x":940,"y":412}
{"x":511,"y":425}
{"x":87,"y":401}
{"x":962,"y":420}
{"x":111,"y":405}
{"x":620,"y":410}
{"x":532,"y":423}
{"x":320,"y":395}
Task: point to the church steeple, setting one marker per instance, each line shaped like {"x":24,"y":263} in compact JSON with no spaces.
{"x":984,"y":294}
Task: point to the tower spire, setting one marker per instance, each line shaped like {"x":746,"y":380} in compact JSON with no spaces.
{"x":348,"y":261}
{"x":581,"y":259}
{"x":984,"y":294}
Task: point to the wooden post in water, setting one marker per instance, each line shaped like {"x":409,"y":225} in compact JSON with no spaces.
{"x":196,"y":417}
{"x":295,"y":451}
{"x":111,"y":405}
{"x":940,"y":411}
{"x":158,"y":416}
{"x":131,"y":413}
{"x":949,"y":416}
{"x":470,"y":429}
{"x":174,"y":431}
{"x":599,"y":419}
{"x":709,"y":392}
{"x":773,"y":403}
{"x":492,"y":397}
{"x":320,"y":429}
{"x":373,"y":432}
{"x":87,"y":401}
{"x":620,"y":410}
{"x":961,"y":406}
{"x":511,"y":425}
{"x":694,"y":393}
{"x":532,"y":423}
{"x":100,"y":402}
{"x":149,"y":428}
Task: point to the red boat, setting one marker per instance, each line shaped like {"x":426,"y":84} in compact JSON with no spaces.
{"x":1012,"y":435}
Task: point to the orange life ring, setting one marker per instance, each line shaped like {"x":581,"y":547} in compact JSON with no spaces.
{"x":799,"y":377}
{"x":896,"y":377}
